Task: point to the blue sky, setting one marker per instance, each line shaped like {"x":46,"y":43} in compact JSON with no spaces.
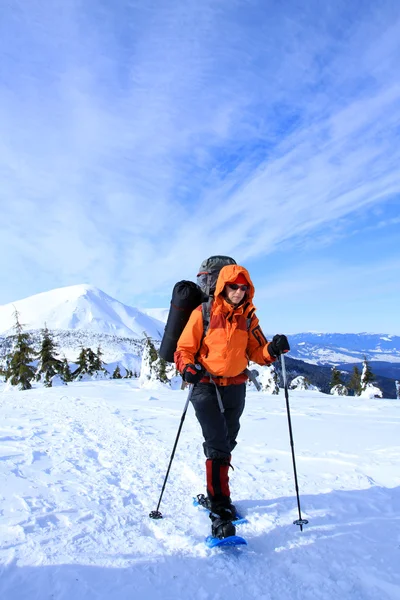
{"x":138,"y":138}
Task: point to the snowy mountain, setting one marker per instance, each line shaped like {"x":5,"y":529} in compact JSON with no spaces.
{"x":160,"y":314}
{"x":80,"y":307}
{"x":338,"y":348}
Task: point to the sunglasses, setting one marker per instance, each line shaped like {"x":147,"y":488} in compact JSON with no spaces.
{"x":236,"y":286}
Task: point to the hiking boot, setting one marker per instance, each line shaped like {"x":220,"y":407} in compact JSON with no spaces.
{"x":223,"y":507}
{"x":222,"y":529}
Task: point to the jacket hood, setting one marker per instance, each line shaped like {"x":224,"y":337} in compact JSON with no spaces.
{"x":229,"y":274}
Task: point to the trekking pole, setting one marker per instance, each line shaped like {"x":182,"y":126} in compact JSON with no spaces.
{"x":298,"y":521}
{"x":155,"y":514}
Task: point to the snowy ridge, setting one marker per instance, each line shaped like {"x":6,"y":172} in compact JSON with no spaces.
{"x":81,"y":468}
{"x":80,"y":307}
{"x":335,"y":348}
{"x":160,"y":314}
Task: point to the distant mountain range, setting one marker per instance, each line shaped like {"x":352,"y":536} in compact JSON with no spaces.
{"x":84,"y":315}
{"x":338,"y":348}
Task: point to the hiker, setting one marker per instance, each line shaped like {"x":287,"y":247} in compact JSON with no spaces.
{"x":214,"y":363}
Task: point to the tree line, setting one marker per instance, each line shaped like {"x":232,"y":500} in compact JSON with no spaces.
{"x":359,"y":381}
{"x":20,"y":371}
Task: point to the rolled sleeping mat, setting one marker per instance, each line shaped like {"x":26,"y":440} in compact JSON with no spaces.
{"x":186,"y":296}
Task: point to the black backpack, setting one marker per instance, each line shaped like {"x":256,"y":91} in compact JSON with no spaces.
{"x":186,"y":296}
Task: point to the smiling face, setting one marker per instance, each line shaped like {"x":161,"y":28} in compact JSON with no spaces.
{"x":235,"y":293}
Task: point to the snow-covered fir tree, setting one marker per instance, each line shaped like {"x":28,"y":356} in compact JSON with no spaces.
{"x":83,"y":365}
{"x":366,"y":376}
{"x":368,"y":387}
{"x":90,"y":365}
{"x":97,"y":367}
{"x":98,"y":364}
{"x":339,"y":390}
{"x":3,"y":371}
{"x":301,"y":383}
{"x":397,"y":384}
{"x":337,"y":385}
{"x":91,"y":360}
{"x":153,"y":368}
{"x":269,"y":380}
{"x":49,"y":365}
{"x":160,"y":366}
{"x":66,"y":371}
{"x":117,"y":373}
{"x":20,"y":371}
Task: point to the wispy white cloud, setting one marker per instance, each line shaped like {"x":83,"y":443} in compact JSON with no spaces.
{"x":138,"y":138}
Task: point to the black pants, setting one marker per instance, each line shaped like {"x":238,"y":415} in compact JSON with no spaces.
{"x":219,"y":429}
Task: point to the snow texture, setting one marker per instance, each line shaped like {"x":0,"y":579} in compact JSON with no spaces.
{"x":82,"y":467}
{"x":371,"y":391}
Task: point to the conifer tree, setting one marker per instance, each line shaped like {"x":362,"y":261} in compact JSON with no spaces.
{"x":117,"y":373}
{"x":66,"y":371}
{"x":19,"y":370}
{"x":397,"y":383}
{"x":98,"y":363}
{"x":161,"y":370}
{"x":49,"y":365}
{"x":153,"y":367}
{"x":337,"y":386}
{"x":91,"y":359}
{"x":355,"y":381}
{"x":83,"y":366}
{"x":367,"y":377}
{"x":151,"y":349}
{"x":336,"y":377}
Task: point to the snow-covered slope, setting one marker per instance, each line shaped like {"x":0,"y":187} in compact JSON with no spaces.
{"x":160,"y":314}
{"x":82,"y":467}
{"x":80,"y":307}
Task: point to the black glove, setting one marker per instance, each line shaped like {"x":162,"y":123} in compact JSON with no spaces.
{"x":192,"y":373}
{"x":279,"y":345}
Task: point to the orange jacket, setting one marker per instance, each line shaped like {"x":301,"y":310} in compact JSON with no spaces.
{"x":228,"y":345}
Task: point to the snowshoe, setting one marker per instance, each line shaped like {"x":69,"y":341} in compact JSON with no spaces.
{"x":221,"y":528}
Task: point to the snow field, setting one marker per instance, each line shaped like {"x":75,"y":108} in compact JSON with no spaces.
{"x":81,"y":468}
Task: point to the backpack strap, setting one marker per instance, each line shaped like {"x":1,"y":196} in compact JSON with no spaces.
{"x":206,"y":312}
{"x":249,"y":318}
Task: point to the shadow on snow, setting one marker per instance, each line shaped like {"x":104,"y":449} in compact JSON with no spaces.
{"x":350,"y":549}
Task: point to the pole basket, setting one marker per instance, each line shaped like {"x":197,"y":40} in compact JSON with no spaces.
{"x":300,"y":523}
{"x":155,"y":514}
